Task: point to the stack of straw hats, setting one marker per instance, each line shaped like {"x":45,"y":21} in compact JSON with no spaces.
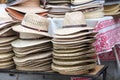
{"x":33,"y":49}
{"x":111,"y":10}
{"x":19,"y":8}
{"x":73,"y":53}
{"x":91,"y":8}
{"x":58,"y":8}
{"x":6,"y":37}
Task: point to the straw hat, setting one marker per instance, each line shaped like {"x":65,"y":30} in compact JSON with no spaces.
{"x":7,"y":39}
{"x":76,"y":52}
{"x":72,"y":19}
{"x":72,"y":62}
{"x":70,"y":31}
{"x":58,"y":1}
{"x":28,"y":43}
{"x":95,"y":14}
{"x":81,"y":41}
{"x":75,"y":2}
{"x":29,"y":6}
{"x":15,"y":2}
{"x":75,"y":57}
{"x":6,"y":55}
{"x":91,"y":33}
{"x":5,"y":44}
{"x":34,"y":24}
{"x":86,"y":66}
{"x":43,"y":68}
{"x":111,"y":7}
{"x":29,"y":36}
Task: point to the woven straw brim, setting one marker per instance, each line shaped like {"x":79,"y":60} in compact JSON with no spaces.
{"x":6,"y":63}
{"x":77,"y":72}
{"x":7,"y":39}
{"x":72,"y":39}
{"x":29,"y":9}
{"x":34,"y":56}
{"x":46,"y":45}
{"x":36,"y":65}
{"x":70,"y":31}
{"x":12,"y":66}
{"x":30,"y":62}
{"x":76,"y":35}
{"x":73,"y":42}
{"x":44,"y":68}
{"x":5,"y":44}
{"x":21,"y":29}
{"x":76,"y":2}
{"x":58,"y":1}
{"x":5,"y":49}
{"x":29,"y":36}
{"x":72,"y":62}
{"x":71,"y":47}
{"x":75,"y":57}
{"x":6,"y":55}
{"x":40,"y":50}
{"x":29,"y":43}
{"x":6,"y":60}
{"x":73,"y":68}
{"x":65,"y":51}
{"x":56,"y":16}
{"x":111,"y":7}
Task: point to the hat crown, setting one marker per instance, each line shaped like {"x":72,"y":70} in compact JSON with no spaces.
{"x":31,"y":3}
{"x":74,"y":19}
{"x":35,"y":22}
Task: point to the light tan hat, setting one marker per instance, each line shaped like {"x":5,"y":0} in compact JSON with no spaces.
{"x":74,"y":19}
{"x":5,"y":49}
{"x":75,"y":57}
{"x":29,"y":36}
{"x":33,"y":23}
{"x":76,"y":2}
{"x":91,"y":33}
{"x":70,"y":31}
{"x":28,"y":43}
{"x":111,"y":7}
{"x":5,"y":44}
{"x":72,"y":53}
{"x":7,"y":39}
{"x":72,"y":62}
{"x":95,"y":14}
{"x":81,"y":41}
{"x":16,"y":2}
{"x":86,"y":66}
{"x":6,"y":55}
{"x":33,"y":57}
{"x":29,"y":6}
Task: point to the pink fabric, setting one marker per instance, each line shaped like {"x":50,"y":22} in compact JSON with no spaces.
{"x":108,"y":36}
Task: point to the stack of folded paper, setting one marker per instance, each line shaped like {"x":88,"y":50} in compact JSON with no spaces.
{"x":33,"y":49}
{"x":73,"y":53}
{"x":58,"y":8}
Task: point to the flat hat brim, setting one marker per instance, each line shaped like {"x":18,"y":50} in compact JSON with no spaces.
{"x":21,"y":29}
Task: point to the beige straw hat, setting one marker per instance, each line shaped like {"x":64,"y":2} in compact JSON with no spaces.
{"x":28,"y":43}
{"x":33,"y":57}
{"x":29,"y":6}
{"x":72,"y":20}
{"x":85,"y":66}
{"x":5,"y":49}
{"x":75,"y":57}
{"x":33,"y":23}
{"x":72,"y":62}
{"x":6,"y":55}
{"x":16,"y":2}
{"x":76,"y":35}
{"x":76,"y":2}
{"x":29,"y":36}
{"x":71,"y":31}
{"x":72,"y":53}
{"x":111,"y":7}
{"x":81,"y":41}
{"x":7,"y":39}
{"x":5,"y":44}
